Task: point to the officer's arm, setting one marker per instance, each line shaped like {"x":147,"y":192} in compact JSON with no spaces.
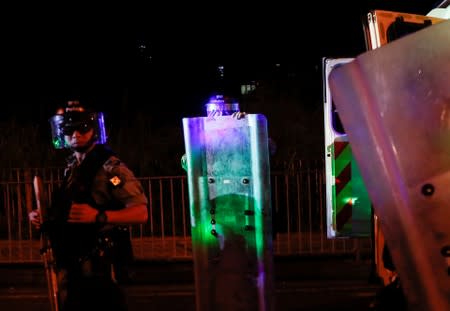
{"x":131,"y":214}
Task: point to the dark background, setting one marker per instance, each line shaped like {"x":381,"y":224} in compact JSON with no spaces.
{"x":149,"y":66}
{"x":167,"y":55}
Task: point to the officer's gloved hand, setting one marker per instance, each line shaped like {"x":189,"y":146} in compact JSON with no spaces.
{"x":35,"y":218}
{"x":184,"y":162}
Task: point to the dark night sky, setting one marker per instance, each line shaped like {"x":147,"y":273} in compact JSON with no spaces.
{"x":95,"y":54}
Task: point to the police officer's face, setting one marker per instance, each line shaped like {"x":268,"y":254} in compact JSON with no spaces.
{"x":79,"y":139}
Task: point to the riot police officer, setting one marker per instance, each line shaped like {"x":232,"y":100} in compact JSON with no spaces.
{"x":90,"y":213}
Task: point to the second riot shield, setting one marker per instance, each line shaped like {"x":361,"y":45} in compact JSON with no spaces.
{"x":227,"y":163}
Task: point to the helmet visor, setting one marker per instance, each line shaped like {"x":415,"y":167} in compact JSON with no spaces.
{"x":81,"y":128}
{"x":65,"y":124}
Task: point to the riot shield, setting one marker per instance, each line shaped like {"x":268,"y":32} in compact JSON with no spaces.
{"x":227,"y":163}
{"x":400,"y":132}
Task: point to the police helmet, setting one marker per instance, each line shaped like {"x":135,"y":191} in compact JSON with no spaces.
{"x":75,"y":117}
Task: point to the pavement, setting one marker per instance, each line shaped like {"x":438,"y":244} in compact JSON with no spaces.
{"x":301,"y":284}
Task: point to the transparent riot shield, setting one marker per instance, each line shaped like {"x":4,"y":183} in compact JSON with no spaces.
{"x":400,"y":135}
{"x":381,"y":28}
{"x":227,"y":163}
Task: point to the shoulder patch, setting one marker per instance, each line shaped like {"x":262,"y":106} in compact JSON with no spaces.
{"x":115,"y":181}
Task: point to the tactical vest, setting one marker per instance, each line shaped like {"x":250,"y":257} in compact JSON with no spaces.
{"x":73,"y":243}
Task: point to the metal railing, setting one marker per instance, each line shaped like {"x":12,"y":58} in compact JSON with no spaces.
{"x":298,"y":212}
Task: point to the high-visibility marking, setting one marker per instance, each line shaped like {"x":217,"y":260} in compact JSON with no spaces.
{"x":344,"y":215}
{"x":343,"y":176}
{"x":339,"y":146}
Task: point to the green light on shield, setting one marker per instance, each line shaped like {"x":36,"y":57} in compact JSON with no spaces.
{"x":229,"y":215}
